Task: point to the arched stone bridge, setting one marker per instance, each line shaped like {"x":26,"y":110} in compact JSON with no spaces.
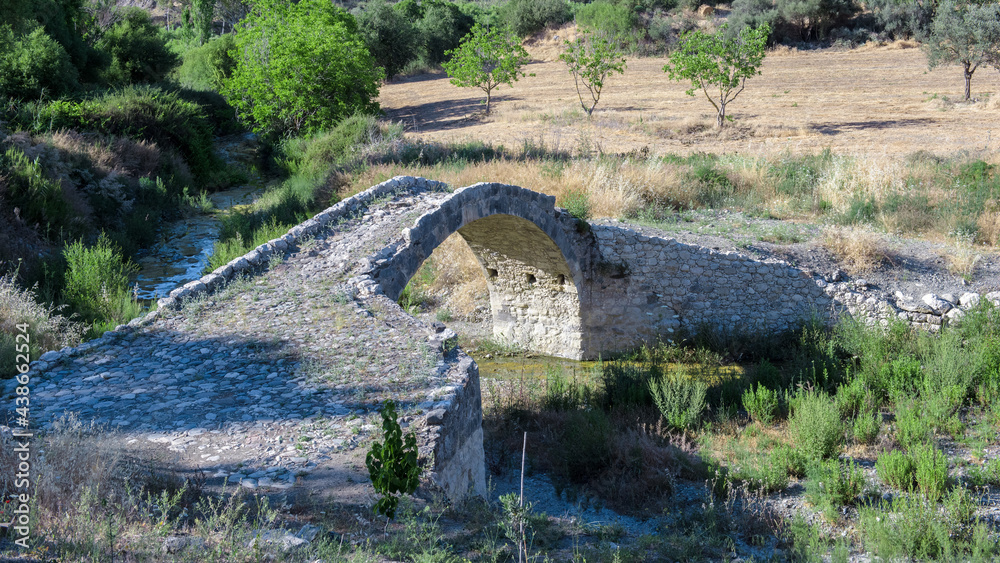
{"x":565,"y":288}
{"x":299,"y":341}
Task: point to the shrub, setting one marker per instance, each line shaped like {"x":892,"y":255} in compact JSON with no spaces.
{"x":33,"y":64}
{"x":767,"y":474}
{"x":300,"y":68}
{"x":931,"y":470}
{"x":39,"y":198}
{"x":585,"y":448}
{"x":867,"y":426}
{"x":762,"y":403}
{"x":207,"y":66}
{"x":392,"y":463}
{"x":141,"y":112}
{"x":528,"y":16}
{"x":986,"y":476}
{"x":792,"y":459}
{"x":896,"y":469}
{"x":915,"y":527}
{"x":97,"y":281}
{"x":47,"y":329}
{"x":137,"y":49}
{"x":833,"y":484}
{"x":606,"y":17}
{"x":577,"y":203}
{"x":680,"y":398}
{"x":815,"y":425}
{"x":913,"y":427}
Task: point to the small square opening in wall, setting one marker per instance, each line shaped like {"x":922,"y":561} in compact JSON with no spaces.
{"x":531,"y":278}
{"x":561,"y":279}
{"x":492,"y":273}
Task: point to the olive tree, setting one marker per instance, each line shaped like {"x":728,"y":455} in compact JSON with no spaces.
{"x":718,"y":65}
{"x":591,"y":59}
{"x":300,"y":67}
{"x":486,"y":58}
{"x":964,"y":33}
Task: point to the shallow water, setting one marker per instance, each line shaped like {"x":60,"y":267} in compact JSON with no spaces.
{"x":184,"y":248}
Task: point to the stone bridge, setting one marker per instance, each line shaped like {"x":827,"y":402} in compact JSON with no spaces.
{"x":269,"y":371}
{"x":565,"y":288}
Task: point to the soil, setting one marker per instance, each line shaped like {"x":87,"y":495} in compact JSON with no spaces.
{"x":875,"y":100}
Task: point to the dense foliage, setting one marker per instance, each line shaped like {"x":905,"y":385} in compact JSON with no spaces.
{"x":300,"y":67}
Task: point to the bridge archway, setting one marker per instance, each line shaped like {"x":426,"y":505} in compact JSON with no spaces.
{"x":530,"y":253}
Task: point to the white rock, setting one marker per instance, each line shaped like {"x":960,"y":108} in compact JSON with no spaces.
{"x":938,"y":306}
{"x":968,"y":300}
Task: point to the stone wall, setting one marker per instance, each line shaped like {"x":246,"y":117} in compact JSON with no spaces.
{"x":644,"y":288}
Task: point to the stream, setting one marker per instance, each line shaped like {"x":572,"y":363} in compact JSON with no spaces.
{"x":184,"y":247}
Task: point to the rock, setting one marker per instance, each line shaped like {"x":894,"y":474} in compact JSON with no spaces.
{"x":173,"y":544}
{"x":938,"y":306}
{"x":993,"y":296}
{"x":309,"y":532}
{"x":949,"y":298}
{"x":954,"y":314}
{"x":705,"y":10}
{"x":914,"y":307}
{"x":968,"y":300}
{"x":436,"y":417}
{"x":284,"y":540}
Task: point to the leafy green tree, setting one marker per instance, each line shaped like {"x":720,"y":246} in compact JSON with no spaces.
{"x":718,"y":62}
{"x":138,"y":51}
{"x":815,"y":18}
{"x":486,"y":59}
{"x":300,"y":68}
{"x":963,"y":33}
{"x":591,"y":59}
{"x":202,"y":12}
{"x":391,"y":37}
{"x":528,"y":16}
{"x":442,"y":26}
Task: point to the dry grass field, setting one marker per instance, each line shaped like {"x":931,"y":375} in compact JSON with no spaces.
{"x":873,"y":100}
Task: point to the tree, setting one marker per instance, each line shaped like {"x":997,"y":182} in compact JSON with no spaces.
{"x":485,"y":59}
{"x":719,"y":62}
{"x":391,"y":37}
{"x":965,"y":34}
{"x":300,"y":68}
{"x":591,"y":60}
{"x":138,"y":51}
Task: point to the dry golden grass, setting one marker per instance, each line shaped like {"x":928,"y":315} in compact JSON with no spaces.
{"x":458,"y":277}
{"x":860,"y":250}
{"x":869,"y":101}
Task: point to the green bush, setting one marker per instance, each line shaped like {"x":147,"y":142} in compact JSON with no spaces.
{"x":762,"y":403}
{"x":815,"y":425}
{"x":392,"y":463}
{"x":896,"y":469}
{"x":137,"y":49}
{"x":585,"y":448}
{"x":986,"y":476}
{"x":913,"y":427}
{"x":792,"y":459}
{"x":317,"y":69}
{"x":206,"y":67}
{"x":867,"y":426}
{"x":32,"y":65}
{"x":766,"y":473}
{"x":46,"y":328}
{"x":606,"y":17}
{"x":140,"y":112}
{"x":931,"y":470}
{"x":833,"y":483}
{"x":577,"y":203}
{"x":528,"y":16}
{"x":915,"y":527}
{"x":39,"y":198}
{"x":313,"y":156}
{"x":97,"y":282}
{"x":680,"y":398}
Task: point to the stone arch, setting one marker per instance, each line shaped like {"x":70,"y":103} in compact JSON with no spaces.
{"x":532,"y":255}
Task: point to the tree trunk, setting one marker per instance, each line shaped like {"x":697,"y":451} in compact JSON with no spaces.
{"x":968,"y":81}
{"x":487,"y":102}
{"x":722,"y":115}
